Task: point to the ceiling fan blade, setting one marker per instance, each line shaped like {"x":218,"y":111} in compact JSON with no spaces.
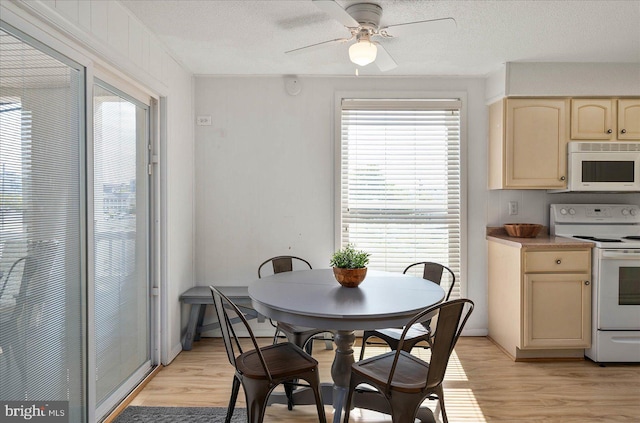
{"x":334,"y":10}
{"x":384,"y":61}
{"x":317,"y":45}
{"x":429,"y":26}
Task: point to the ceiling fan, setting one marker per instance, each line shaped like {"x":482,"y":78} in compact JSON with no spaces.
{"x":362,"y":20}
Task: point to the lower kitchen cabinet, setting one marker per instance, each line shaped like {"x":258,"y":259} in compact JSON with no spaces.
{"x":556,"y":310}
{"x":540,"y":300}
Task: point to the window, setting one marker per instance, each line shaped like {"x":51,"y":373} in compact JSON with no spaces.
{"x":400,"y":181}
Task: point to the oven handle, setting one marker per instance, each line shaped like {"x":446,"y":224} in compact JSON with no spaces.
{"x":620,"y":256}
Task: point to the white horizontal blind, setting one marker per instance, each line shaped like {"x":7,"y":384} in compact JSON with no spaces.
{"x":42,"y":283}
{"x":400,"y":181}
{"x":122,"y":323}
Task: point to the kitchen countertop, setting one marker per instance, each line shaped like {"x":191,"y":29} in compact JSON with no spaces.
{"x":543,"y":240}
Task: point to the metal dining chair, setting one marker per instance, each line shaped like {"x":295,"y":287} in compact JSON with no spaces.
{"x":421,"y":332}
{"x":22,"y":297}
{"x":261,"y":369}
{"x":405,"y":380}
{"x":299,"y":335}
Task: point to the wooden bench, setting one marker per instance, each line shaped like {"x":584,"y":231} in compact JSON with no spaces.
{"x":199,"y":297}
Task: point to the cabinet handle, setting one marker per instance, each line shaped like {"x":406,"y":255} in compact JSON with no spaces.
{"x":558,"y":261}
{"x":623,"y":131}
{"x":609,"y":131}
{"x":587,"y":283}
{"x":562,"y":178}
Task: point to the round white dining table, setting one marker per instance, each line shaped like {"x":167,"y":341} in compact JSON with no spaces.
{"x":313,"y":298}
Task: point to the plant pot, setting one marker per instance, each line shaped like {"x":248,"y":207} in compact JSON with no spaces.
{"x":350,"y":278}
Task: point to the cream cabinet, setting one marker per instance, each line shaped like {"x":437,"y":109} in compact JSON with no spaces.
{"x":629,"y":119}
{"x":605,"y":119}
{"x":540,"y":300}
{"x":528,"y":143}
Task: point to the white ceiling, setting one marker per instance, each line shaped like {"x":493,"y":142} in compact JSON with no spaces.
{"x":250,"y":37}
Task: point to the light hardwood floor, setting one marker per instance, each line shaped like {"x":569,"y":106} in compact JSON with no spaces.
{"x":482,"y":385}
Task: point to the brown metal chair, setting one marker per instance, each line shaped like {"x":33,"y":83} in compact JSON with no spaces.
{"x":298,"y":335}
{"x":404,"y":380}
{"x":260,"y":370}
{"x":418,"y":333}
{"x":22,"y":297}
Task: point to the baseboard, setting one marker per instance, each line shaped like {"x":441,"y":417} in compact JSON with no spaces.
{"x":474,"y":332}
{"x":177,"y":349}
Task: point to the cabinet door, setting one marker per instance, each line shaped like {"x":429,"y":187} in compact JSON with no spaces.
{"x":556,"y":311}
{"x":629,"y":119}
{"x":536,"y":135}
{"x":592,"y":119}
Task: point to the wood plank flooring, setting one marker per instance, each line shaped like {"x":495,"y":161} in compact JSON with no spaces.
{"x":482,"y":385}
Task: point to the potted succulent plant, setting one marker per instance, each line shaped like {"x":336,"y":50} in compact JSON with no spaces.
{"x":349,"y":266}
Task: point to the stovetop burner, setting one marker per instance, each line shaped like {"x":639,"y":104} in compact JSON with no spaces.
{"x":593,"y":238}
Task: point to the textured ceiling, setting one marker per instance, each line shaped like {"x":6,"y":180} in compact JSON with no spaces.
{"x":250,"y":37}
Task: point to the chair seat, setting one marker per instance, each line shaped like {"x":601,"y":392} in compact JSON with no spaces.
{"x":299,"y":329}
{"x":416,"y":331}
{"x":285,"y":359}
{"x":410,"y":375}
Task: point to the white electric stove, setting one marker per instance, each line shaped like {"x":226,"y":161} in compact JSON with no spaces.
{"x":615,"y":231}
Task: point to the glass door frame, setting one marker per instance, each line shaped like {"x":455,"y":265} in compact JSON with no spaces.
{"x":33,"y":36}
{"x":136,"y":96}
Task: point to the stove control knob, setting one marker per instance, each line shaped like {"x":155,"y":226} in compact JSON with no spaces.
{"x":572,"y":212}
{"x":625,"y":212}
{"x":633,"y":212}
{"x":563,"y":211}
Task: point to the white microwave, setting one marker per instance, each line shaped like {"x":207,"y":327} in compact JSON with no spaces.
{"x":604,"y":166}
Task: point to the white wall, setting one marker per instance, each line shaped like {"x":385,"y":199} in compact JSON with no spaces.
{"x":572,"y":79}
{"x":265,"y":173}
{"x":104,"y":35}
{"x":563,"y":79}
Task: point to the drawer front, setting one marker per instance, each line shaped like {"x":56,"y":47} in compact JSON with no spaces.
{"x":557,"y":261}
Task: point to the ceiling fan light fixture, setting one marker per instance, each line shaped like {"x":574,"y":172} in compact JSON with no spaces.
{"x":363,"y":52}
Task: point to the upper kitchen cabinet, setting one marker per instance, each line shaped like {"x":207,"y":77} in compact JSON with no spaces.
{"x":528,"y":143}
{"x":629,"y":119}
{"x":605,"y":119}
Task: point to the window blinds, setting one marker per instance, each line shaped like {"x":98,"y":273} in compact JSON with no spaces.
{"x":42,"y":353}
{"x":121,"y":239}
{"x":400,"y":181}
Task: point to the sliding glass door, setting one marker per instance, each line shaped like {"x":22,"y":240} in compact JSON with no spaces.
{"x":75,"y":304}
{"x":42,"y":228}
{"x":121,"y":244}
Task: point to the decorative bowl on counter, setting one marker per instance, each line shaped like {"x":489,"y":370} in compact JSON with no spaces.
{"x":523,"y":230}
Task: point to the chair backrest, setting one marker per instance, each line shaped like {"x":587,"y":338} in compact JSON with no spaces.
{"x":229,"y":314}
{"x":284,"y":264}
{"x":433,"y":272}
{"x":451,"y":317}
{"x":32,"y":282}
{"x":11,"y":275}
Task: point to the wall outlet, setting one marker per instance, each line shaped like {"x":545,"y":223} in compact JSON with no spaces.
{"x":513,"y":208}
{"x":203,"y":120}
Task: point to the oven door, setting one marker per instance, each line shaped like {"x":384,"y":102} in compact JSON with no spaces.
{"x":604,"y":171}
{"x":618,"y":289}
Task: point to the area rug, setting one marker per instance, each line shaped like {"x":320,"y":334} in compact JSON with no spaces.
{"x":136,"y":414}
